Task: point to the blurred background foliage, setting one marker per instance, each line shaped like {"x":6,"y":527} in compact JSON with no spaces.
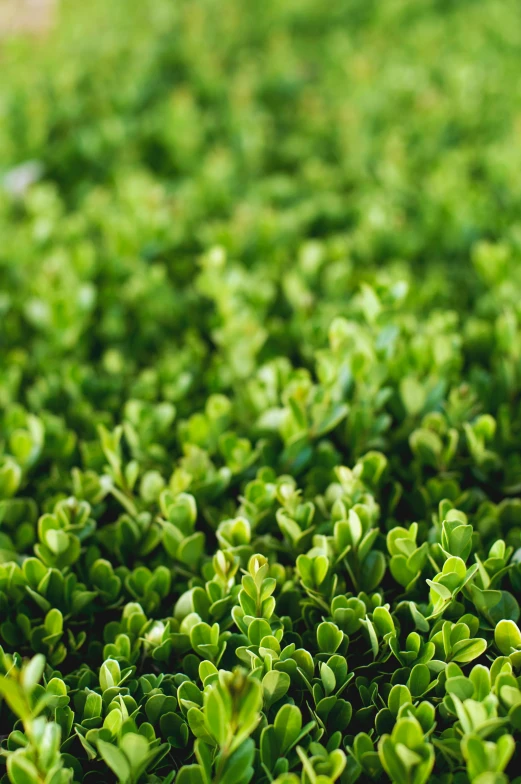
{"x":193,"y":189}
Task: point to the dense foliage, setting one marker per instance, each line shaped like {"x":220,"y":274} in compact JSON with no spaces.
{"x":260,"y":394}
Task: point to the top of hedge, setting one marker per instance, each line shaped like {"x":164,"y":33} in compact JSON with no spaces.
{"x":260,"y":410}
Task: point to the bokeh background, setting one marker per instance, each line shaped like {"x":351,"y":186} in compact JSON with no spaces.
{"x":315,"y":140}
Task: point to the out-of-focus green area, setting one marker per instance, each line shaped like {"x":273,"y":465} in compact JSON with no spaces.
{"x":163,"y":128}
{"x":398,"y":121}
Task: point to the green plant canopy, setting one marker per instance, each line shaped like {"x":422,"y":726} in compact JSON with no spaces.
{"x":260,"y":393}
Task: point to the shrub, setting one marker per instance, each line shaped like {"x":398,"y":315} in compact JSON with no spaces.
{"x":260,"y":394}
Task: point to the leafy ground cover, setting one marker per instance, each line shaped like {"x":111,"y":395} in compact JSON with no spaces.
{"x":260,"y":410}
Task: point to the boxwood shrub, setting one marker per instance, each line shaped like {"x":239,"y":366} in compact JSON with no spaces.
{"x":260,"y":394}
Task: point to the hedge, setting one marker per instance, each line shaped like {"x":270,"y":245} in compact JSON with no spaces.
{"x":260,"y":394}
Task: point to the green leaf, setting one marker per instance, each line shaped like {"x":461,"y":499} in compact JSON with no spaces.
{"x":33,"y":672}
{"x":21,"y":770}
{"x":287,"y":726}
{"x":239,"y":766}
{"x":216,"y":716}
{"x":15,"y":697}
{"x":507,"y":637}
{"x":116,"y":760}
{"x":399,"y":695}
{"x":467,"y":650}
{"x":190,"y":774}
{"x":275,"y":684}
{"x":329,"y":637}
{"x":413,"y":395}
